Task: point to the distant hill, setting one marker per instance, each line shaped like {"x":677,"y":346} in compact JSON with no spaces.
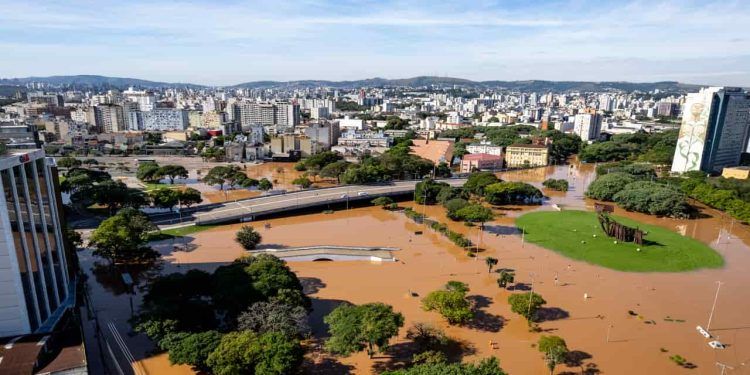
{"x":534,"y":85}
{"x":94,"y":81}
{"x":102,"y":82}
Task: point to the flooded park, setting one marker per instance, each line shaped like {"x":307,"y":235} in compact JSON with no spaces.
{"x":630,"y":322}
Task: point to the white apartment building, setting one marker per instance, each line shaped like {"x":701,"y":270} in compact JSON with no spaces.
{"x":165,"y":119}
{"x":485,"y":148}
{"x":588,"y":126}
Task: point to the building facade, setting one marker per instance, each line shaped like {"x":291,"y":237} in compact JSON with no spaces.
{"x":35,"y":287}
{"x":588,"y":126}
{"x":517,"y":156}
{"x":165,"y":119}
{"x":715,"y":130}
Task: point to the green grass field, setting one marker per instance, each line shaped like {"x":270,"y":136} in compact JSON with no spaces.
{"x":571,"y":233}
{"x":178,"y":232}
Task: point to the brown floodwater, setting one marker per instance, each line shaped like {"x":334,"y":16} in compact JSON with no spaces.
{"x":668,"y":306}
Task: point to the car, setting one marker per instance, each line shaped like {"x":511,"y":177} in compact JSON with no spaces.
{"x":716,"y":345}
{"x":362,"y":193}
{"x":344,"y":196}
{"x":703,"y":332}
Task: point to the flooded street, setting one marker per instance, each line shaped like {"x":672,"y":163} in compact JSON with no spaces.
{"x":666,"y":307}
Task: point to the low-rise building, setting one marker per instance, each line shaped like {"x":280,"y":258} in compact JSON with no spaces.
{"x":478,"y":162}
{"x":740,"y":173}
{"x":485,"y":148}
{"x":522,"y":155}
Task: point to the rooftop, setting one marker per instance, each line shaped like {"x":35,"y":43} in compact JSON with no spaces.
{"x":526,"y":146}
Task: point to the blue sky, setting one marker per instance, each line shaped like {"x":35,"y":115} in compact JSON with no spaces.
{"x":226,"y":42}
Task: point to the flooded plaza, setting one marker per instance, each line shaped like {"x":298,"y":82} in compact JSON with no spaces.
{"x":630,"y":324}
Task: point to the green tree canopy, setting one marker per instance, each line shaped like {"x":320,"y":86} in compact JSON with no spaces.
{"x":477,"y":181}
{"x":122,"y":238}
{"x":357,"y":327}
{"x":526,"y":304}
{"x":248,"y":237}
{"x":512,"y":193}
{"x":247,"y":352}
{"x":450,"y":302}
{"x":194,"y":349}
{"x":172,"y":171}
{"x":605,"y":187}
{"x":487,"y":366}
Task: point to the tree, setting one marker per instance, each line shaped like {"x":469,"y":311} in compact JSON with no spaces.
{"x":476,"y":182}
{"x":122,"y":238}
{"x":194,"y":349}
{"x":491,"y":262}
{"x":172,"y":171}
{"x":72,"y":238}
{"x":605,"y":187}
{"x":148,"y":172}
{"x":354,"y":328}
{"x":526,"y":304}
{"x":302,"y":182}
{"x":487,"y":366}
{"x":248,"y":237}
{"x":164,"y":197}
{"x":68,"y":162}
{"x":89,"y":162}
{"x":473,"y":213}
{"x":512,"y":193}
{"x":190,"y":196}
{"x":321,"y":160}
{"x":427,"y":336}
{"x":450,"y":302}
{"x":247,"y":352}
{"x":505,"y":278}
{"x":426,"y":192}
{"x":554,"y":349}
{"x":334,"y":170}
{"x":384,"y":202}
{"x":264,"y":184}
{"x":443,"y":170}
{"x":274,"y":316}
{"x":221,"y":174}
{"x":555,"y":184}
{"x":116,"y":195}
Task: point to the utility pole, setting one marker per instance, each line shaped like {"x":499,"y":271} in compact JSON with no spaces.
{"x":531,"y":295}
{"x":609,"y":328}
{"x":716,"y":297}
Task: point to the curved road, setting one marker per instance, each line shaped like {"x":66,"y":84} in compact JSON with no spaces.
{"x":246,"y":209}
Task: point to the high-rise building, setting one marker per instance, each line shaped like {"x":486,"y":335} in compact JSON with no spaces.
{"x":109,"y":118}
{"x":165,"y":119}
{"x":715,"y":130}
{"x":35,"y":287}
{"x":588,"y":126}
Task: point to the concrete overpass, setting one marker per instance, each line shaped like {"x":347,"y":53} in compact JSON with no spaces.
{"x":248,"y":209}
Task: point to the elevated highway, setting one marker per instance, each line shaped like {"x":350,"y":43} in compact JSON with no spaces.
{"x":248,"y":209}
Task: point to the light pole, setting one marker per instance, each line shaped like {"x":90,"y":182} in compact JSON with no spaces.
{"x":716,"y":297}
{"x":531,"y":295}
{"x":609,"y":328}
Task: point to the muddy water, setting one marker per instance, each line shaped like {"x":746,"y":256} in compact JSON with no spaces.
{"x":600,"y":327}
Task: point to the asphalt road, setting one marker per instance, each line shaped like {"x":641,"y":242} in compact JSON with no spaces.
{"x":247,"y":208}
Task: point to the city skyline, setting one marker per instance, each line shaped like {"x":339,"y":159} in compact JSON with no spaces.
{"x":237,"y":41}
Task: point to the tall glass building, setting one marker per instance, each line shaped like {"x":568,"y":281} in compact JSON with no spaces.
{"x":715,"y":130}
{"x":35,"y":285}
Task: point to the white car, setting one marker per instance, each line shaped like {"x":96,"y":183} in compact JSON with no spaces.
{"x":703,"y":332}
{"x":343,"y":196}
{"x":362,"y":193}
{"x":716,"y":345}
